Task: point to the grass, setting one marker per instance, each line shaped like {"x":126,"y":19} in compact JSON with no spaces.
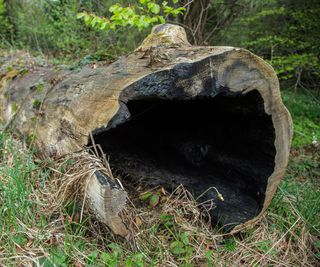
{"x":305,"y":113}
{"x":169,"y":229}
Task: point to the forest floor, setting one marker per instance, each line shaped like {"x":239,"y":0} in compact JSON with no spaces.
{"x":169,"y":230}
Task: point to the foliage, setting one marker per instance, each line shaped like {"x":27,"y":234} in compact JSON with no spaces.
{"x":286,"y":34}
{"x":142,"y":15}
{"x":54,"y":31}
{"x":305,"y":114}
{"x":283,"y":32}
{"x":5,"y":25}
{"x":57,"y":32}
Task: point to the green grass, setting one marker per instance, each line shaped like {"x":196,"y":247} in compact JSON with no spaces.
{"x":305,"y":112}
{"x":30,"y":234}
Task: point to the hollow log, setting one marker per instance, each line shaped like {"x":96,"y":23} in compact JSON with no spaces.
{"x":210,"y":118}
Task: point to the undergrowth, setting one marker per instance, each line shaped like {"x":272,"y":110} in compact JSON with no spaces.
{"x":166,"y":229}
{"x":305,"y":114}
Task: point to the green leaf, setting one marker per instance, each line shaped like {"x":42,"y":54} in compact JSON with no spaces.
{"x":154,"y":200}
{"x":184,"y":238}
{"x":161,"y":19}
{"x":87,"y":19}
{"x":104,"y":26}
{"x":166,"y":217}
{"x":209,"y":255}
{"x":145,"y":196}
{"x":94,"y":21}
{"x":14,"y":106}
{"x":40,"y":87}
{"x":181,"y":10}
{"x":80,"y":15}
{"x":190,"y":251}
{"x":168,"y":10}
{"x":230,"y":245}
{"x":115,"y":8}
{"x":177,"y":247}
{"x":135,"y":260}
{"x":154,"y":8}
{"x":129,"y":262}
{"x":36,"y":103}
{"x":167,"y":220}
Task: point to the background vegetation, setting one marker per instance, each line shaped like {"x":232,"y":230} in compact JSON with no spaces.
{"x":283,"y":32}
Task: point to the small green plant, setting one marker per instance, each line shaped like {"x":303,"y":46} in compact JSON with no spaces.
{"x":181,"y":246}
{"x":305,"y":114}
{"x":113,"y":258}
{"x":5,"y":25}
{"x":230,"y":245}
{"x":14,"y":106}
{"x":153,"y":198}
{"x":36,"y":103}
{"x":141,"y":15}
{"x":40,"y":87}
{"x":209,"y":256}
{"x":136,"y":260}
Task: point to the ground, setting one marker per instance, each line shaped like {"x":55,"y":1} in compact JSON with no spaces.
{"x":168,"y":230}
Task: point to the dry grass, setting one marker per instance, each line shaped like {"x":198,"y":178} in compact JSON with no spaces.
{"x":46,"y":223}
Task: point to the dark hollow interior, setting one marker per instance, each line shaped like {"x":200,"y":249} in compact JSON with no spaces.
{"x":226,"y":142}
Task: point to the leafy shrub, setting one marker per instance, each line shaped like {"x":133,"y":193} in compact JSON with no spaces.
{"x":5,"y":25}
{"x":286,"y":34}
{"x":141,"y":15}
{"x":58,"y":33}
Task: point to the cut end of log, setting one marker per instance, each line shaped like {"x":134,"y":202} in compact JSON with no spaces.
{"x":107,"y":200}
{"x":198,"y":138}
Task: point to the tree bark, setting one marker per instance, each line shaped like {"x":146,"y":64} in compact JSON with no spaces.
{"x":60,"y":108}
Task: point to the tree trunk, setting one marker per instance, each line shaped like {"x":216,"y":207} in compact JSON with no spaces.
{"x":168,"y":113}
{"x":195,"y":20}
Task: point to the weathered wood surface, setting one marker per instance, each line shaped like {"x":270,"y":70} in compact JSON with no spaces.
{"x":62,"y":107}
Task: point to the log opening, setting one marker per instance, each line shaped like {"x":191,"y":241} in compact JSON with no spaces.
{"x":226,"y":141}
